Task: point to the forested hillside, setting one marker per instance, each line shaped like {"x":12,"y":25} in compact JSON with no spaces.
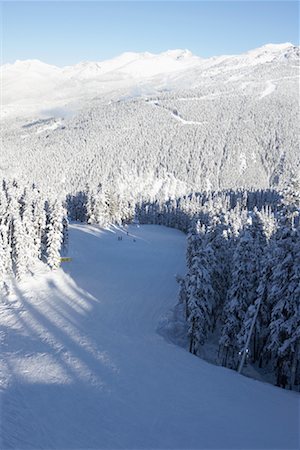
{"x":227,"y":122}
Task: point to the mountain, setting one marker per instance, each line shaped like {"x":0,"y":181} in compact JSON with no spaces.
{"x":147,"y":123}
{"x":33,"y":85}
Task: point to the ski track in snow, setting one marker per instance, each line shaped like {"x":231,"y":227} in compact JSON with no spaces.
{"x":177,"y":116}
{"x":186,"y":122}
{"x":270,"y":87}
{"x":83,"y":366}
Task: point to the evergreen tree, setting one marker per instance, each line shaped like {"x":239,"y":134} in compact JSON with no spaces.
{"x":284,"y":298}
{"x":201,"y":297}
{"x":241,"y":294}
{"x":54,"y":235}
{"x":18,"y":250}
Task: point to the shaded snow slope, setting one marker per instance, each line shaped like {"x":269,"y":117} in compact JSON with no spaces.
{"x":83,"y":365}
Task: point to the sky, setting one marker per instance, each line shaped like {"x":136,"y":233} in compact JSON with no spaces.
{"x":67,"y":32}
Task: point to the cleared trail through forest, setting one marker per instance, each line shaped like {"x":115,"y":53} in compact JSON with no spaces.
{"x":84,"y":367}
{"x":175,"y":114}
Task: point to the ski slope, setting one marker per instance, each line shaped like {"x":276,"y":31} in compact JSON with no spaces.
{"x":84,"y":367}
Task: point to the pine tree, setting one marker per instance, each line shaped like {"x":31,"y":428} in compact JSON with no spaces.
{"x":200,"y":296}
{"x":54,"y":235}
{"x":284,"y":298}
{"x":183,"y":296}
{"x":65,"y":234}
{"x":39,"y":223}
{"x":3,"y":262}
{"x":241,"y":294}
{"x":18,"y":250}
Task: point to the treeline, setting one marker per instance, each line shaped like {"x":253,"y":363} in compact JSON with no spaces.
{"x":242,"y":287}
{"x":101,"y":206}
{"x":32,"y":228}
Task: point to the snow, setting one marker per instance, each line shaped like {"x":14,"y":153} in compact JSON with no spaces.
{"x":84,"y":367}
{"x":175,"y":115}
{"x":270,"y":87}
{"x":187,"y":122}
{"x":243,"y":162}
{"x":268,"y":52}
{"x":31,"y":86}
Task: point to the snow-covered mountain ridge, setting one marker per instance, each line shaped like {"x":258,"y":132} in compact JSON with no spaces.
{"x":32,"y":84}
{"x":176,"y":120}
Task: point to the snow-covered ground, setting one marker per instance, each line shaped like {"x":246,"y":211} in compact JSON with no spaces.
{"x":84,"y":367}
{"x":270,"y":87}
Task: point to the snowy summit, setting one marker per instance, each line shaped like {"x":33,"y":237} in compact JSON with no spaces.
{"x":30,"y":81}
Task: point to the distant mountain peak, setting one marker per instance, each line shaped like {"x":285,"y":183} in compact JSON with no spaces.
{"x":29,"y":64}
{"x":276,"y":47}
{"x":271,"y":49}
{"x":175,"y":54}
{"x":31,"y":82}
{"x":178,"y":53}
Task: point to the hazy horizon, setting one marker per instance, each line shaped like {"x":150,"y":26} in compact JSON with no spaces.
{"x":150,"y":53}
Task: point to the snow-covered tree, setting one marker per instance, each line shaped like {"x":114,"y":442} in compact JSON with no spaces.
{"x":201,"y":296}
{"x":241,"y":294}
{"x":54,"y":234}
{"x":284,"y":299}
